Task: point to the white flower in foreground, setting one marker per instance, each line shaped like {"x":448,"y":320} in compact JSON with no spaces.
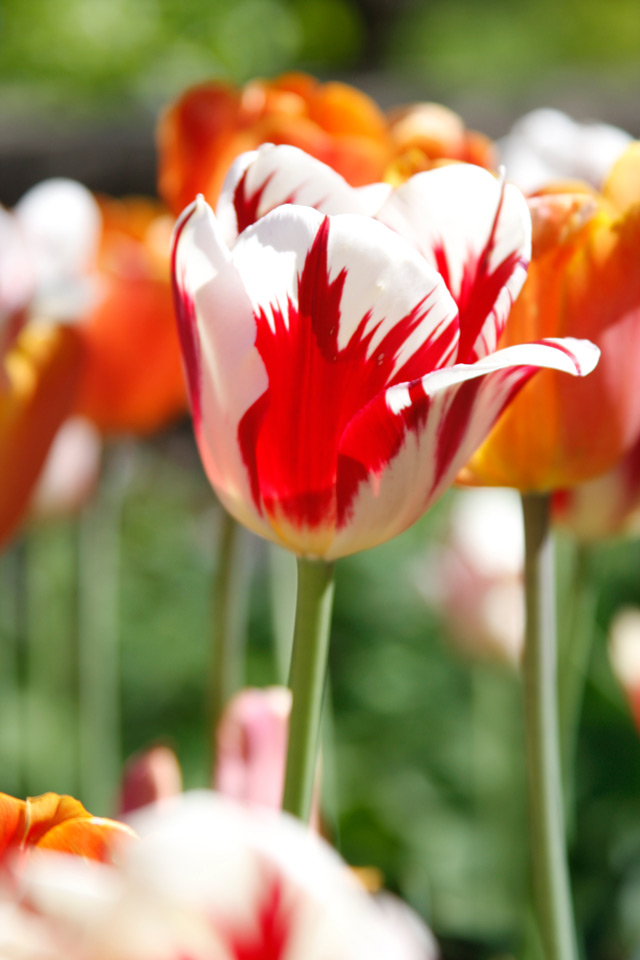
{"x":210,"y":880}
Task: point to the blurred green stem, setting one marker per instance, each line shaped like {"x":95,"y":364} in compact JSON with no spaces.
{"x":575,"y":653}
{"x":307,"y":681}
{"x":230,"y":604}
{"x":98,"y":639}
{"x":552,"y":894}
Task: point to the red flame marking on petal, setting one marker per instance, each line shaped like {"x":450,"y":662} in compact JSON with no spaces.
{"x":270,"y":938}
{"x":290,"y":437}
{"x":479,"y":289}
{"x":187,"y":327}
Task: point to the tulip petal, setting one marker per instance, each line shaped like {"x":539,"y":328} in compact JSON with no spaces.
{"x":62,"y":222}
{"x":428,"y":429}
{"x":12,"y":822}
{"x":217,"y":328}
{"x":41,"y":370}
{"x":95,"y":838}
{"x":266,"y":178}
{"x":344,"y":308}
{"x":477,"y":232}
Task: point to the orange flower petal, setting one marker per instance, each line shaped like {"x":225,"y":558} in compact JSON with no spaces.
{"x":40,"y":375}
{"x":132,"y":378}
{"x":623,"y":183}
{"x":210,"y":125}
{"x":95,"y":838}
{"x":61,"y":823}
{"x":556,"y":435}
{"x":12,"y":822}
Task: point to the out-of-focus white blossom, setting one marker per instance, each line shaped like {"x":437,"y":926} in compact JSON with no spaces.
{"x":624,"y":654}
{"x":547,"y":145}
{"x":474,"y":578}
{"x":211,"y":880}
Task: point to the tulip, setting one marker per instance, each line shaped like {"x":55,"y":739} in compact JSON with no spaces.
{"x":425,"y":135}
{"x":582,"y":281}
{"x":132,"y":380}
{"x":624,"y":656}
{"x":474,"y":577}
{"x":337,"y":338}
{"x":252,"y":748}
{"x":71,"y":470}
{"x":61,"y":823}
{"x":103,"y":266}
{"x":38,"y":373}
{"x":341,"y":367}
{"x":211,"y":124}
{"x":547,"y":145}
{"x":214,"y":881}
{"x":151,"y":776}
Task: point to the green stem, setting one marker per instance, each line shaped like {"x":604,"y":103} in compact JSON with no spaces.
{"x":98,"y":649}
{"x":230,"y":604}
{"x":552,"y":895}
{"x":308,"y":674}
{"x":575,"y":654}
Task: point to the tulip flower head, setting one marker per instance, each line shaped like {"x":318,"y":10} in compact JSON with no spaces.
{"x":342,"y":366}
{"x":61,"y":823}
{"x":624,"y":656}
{"x":203,"y":132}
{"x":583,"y":281}
{"x":547,"y":145}
{"x":474,"y":577}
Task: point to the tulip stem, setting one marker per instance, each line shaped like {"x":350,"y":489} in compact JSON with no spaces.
{"x":230,"y":604}
{"x":550,"y":874}
{"x":574,"y":666}
{"x":307,"y":681}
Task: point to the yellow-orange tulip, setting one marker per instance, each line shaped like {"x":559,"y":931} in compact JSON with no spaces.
{"x":131,"y":379}
{"x":60,"y":823}
{"x":203,"y":132}
{"x":425,"y":135}
{"x":583,"y":281}
{"x":37,"y":384}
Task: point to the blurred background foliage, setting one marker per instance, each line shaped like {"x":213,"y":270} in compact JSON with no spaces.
{"x":425,"y":775}
{"x":118,"y":53}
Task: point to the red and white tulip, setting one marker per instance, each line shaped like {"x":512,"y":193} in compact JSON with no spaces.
{"x":341,"y":365}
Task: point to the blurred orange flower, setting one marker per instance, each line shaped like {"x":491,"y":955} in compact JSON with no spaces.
{"x":60,"y":823}
{"x":131,"y":379}
{"x":203,"y":132}
{"x":423,"y":135}
{"x":38,"y":376}
{"x":583,"y":281}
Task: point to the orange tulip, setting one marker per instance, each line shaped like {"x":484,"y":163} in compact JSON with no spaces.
{"x":60,"y":823}
{"x":583,"y":281}
{"x":210,"y":125}
{"x":424,"y":135}
{"x":131,"y":379}
{"x":37,"y":382}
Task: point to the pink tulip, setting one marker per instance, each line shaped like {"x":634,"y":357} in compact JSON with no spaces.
{"x":252,"y":746}
{"x":151,"y":776}
{"x":341,"y":367}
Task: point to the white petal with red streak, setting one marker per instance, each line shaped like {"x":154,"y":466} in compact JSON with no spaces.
{"x":231,"y":372}
{"x":385,"y":277}
{"x":284,"y":174}
{"x":453,"y":210}
{"x":409,"y":483}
